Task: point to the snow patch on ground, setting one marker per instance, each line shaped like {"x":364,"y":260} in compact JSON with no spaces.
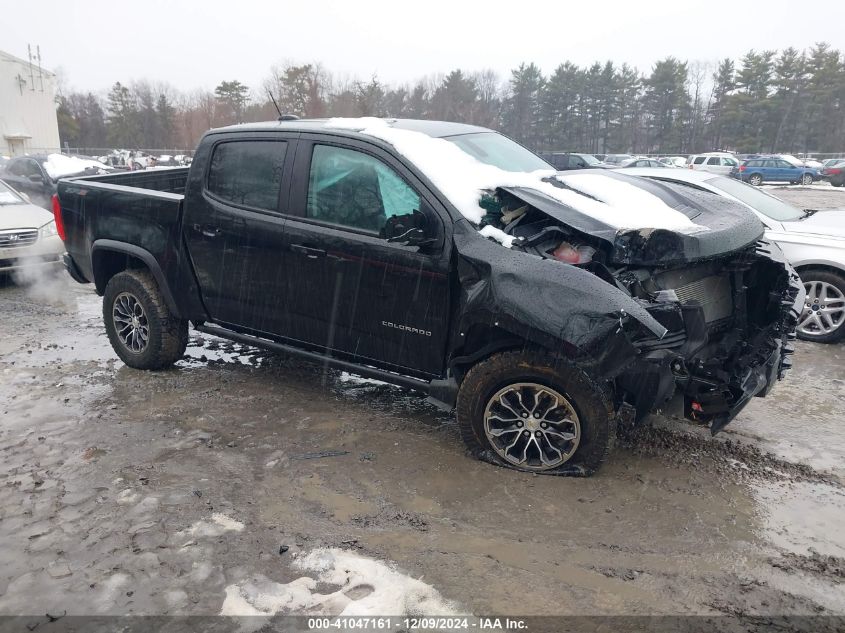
{"x":463,"y":179}
{"x":219,"y":524}
{"x":367,"y":587}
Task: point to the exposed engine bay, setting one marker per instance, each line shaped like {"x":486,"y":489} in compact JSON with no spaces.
{"x":729,"y":316}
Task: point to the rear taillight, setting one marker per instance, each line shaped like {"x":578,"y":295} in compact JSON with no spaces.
{"x":57,"y":216}
{"x":834,"y":171}
{"x":742,"y":168}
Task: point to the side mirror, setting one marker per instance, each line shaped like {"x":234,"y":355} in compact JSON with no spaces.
{"x":408,"y":230}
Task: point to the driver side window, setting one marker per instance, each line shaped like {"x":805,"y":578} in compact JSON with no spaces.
{"x":353,"y":189}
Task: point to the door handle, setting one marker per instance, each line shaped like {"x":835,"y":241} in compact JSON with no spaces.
{"x":207,"y":230}
{"x":310,"y":253}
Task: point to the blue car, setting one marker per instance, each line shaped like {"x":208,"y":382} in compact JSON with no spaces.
{"x":756,"y":171}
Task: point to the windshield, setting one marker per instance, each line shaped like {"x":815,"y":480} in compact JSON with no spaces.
{"x":617,"y":159}
{"x":770,"y":206}
{"x":590,"y":159}
{"x":9,"y":195}
{"x":499,"y":151}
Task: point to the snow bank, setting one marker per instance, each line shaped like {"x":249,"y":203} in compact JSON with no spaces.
{"x":367,"y":587}
{"x":463,"y":179}
{"x":59,"y":165}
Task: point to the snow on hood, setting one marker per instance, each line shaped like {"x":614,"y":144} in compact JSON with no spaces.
{"x":827,"y":222}
{"x":463,"y":179}
{"x":59,"y":165}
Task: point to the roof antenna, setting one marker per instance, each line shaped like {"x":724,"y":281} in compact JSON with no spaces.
{"x":273,"y":99}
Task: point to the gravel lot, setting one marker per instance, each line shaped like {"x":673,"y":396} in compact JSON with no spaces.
{"x":242,"y":482}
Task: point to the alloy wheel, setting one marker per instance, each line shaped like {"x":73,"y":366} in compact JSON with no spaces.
{"x":532,"y":426}
{"x":130,"y":322}
{"x":824,"y":309}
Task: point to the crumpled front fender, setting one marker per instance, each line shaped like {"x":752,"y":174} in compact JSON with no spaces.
{"x":547,"y":302}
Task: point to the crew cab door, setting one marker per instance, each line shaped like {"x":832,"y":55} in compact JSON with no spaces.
{"x":352,"y":291}
{"x":234,"y":228}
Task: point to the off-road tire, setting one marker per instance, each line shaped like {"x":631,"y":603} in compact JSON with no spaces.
{"x":755,"y":179}
{"x":168,"y":335}
{"x":589,"y":398}
{"x":834,"y":279}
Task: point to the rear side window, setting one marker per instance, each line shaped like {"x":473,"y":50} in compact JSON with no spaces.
{"x":754,"y":163}
{"x":715,"y":160}
{"x":698,"y":160}
{"x":354,"y":189}
{"x":248,"y":173}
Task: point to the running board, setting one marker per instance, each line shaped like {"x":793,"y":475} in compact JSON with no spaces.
{"x":362,"y":370}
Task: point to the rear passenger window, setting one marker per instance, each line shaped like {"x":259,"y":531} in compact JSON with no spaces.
{"x":714,"y":161}
{"x":248,"y":173}
{"x":354,"y":189}
{"x":698,"y":160}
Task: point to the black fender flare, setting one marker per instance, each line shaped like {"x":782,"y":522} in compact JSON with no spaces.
{"x":145,"y":256}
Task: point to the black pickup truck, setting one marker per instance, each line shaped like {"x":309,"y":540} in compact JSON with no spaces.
{"x":449,"y":259}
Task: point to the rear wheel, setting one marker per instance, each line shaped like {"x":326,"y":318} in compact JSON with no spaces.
{"x":823,"y":317}
{"x":807,"y":179}
{"x":755,"y":179}
{"x":533,"y":412}
{"x":143,"y":331}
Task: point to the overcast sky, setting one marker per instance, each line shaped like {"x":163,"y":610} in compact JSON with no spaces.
{"x":194,"y":44}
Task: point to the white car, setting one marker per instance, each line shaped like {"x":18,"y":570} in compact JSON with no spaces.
{"x":28,"y":236}
{"x":812,"y":241}
{"x":713,"y":162}
{"x":673,"y":161}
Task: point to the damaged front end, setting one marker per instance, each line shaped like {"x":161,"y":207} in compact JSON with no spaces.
{"x":702,"y":323}
{"x":730,"y":323}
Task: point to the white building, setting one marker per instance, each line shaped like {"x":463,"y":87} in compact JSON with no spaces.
{"x":28,"y":123}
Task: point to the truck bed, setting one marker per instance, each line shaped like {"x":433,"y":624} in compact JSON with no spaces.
{"x":161,"y":180}
{"x":142,"y":209}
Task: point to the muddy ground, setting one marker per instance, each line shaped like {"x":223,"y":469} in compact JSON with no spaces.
{"x":205,"y":489}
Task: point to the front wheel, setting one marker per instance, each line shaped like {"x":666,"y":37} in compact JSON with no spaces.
{"x":533,"y":412}
{"x":823,"y":317}
{"x":807,"y":179}
{"x":143,"y":331}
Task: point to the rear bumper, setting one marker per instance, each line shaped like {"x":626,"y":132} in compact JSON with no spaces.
{"x":73,"y":269}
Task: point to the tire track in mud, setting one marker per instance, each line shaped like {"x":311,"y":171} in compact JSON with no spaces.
{"x":740,"y":460}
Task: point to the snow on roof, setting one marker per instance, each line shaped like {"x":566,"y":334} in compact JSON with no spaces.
{"x":59,"y":165}
{"x":463,"y":179}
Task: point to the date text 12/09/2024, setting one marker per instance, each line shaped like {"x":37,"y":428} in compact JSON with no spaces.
{"x":417,"y":623}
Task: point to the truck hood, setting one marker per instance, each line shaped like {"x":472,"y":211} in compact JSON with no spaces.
{"x":828,"y":223}
{"x":718,"y":226}
{"x":23,"y":216}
